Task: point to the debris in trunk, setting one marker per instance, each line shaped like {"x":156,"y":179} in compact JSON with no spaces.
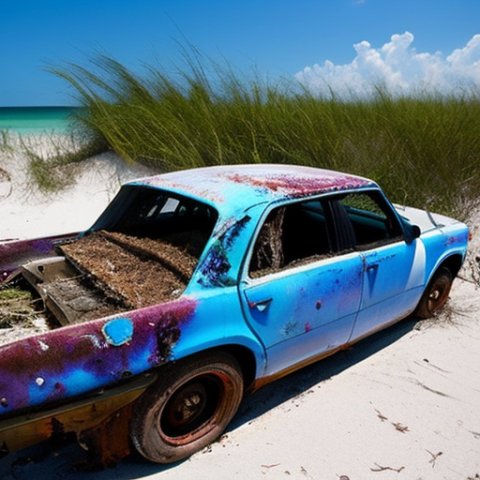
{"x":18,"y":318}
{"x":134,"y":271}
{"x":15,"y":306}
{"x":101,"y":274}
{"x":75,"y":300}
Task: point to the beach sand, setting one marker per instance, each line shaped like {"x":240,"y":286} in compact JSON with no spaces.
{"x":405,"y":403}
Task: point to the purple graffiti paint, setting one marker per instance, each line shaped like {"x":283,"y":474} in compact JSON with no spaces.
{"x":293,"y":186}
{"x":216,"y":265}
{"x":15,"y":253}
{"x":75,"y":359}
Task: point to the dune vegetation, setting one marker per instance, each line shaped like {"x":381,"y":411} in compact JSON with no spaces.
{"x":424,"y":150}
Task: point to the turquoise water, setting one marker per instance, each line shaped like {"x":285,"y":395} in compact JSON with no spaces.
{"x":36,"y":119}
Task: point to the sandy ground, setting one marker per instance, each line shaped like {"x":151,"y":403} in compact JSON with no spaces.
{"x":26,"y":213}
{"x":403,"y":404}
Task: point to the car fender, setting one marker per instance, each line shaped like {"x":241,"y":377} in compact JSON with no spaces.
{"x":442,"y":245}
{"x":218,"y":322}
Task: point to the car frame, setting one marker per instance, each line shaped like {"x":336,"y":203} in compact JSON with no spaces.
{"x":263,"y":300}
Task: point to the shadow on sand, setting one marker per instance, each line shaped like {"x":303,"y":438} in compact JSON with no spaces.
{"x":44,"y":462}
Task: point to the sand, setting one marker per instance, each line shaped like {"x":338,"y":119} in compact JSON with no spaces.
{"x":27,"y":213}
{"x":404,"y":403}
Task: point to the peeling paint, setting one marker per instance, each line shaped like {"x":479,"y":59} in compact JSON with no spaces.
{"x":80,"y":358}
{"x":118,"y":331}
{"x":17,"y":252}
{"x":452,"y":240}
{"x":216,"y":265}
{"x":289,"y":328}
{"x":295,"y":185}
{"x":233,"y":189}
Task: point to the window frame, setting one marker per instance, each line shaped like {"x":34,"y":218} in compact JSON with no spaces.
{"x":377,"y":196}
{"x":388,"y":209}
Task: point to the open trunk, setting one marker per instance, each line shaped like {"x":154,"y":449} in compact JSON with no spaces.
{"x":108,"y":272}
{"x":141,"y":252}
{"x":92,"y":277}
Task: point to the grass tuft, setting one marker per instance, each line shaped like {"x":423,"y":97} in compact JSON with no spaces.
{"x":424,"y":150}
{"x":55,"y":171}
{"x":15,"y":305}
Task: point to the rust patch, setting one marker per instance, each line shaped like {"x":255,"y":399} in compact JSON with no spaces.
{"x":15,"y":253}
{"x":299,"y":186}
{"x":78,"y":358}
{"x":216,"y":266}
{"x":108,"y":442}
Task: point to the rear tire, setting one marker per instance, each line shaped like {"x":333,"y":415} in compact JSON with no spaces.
{"x":436,"y":294}
{"x":187,"y":408}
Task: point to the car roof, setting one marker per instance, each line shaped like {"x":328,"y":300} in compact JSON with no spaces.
{"x":238,"y":187}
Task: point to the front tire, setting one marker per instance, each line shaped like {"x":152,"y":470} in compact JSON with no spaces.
{"x":436,"y":294}
{"x":187,"y":408}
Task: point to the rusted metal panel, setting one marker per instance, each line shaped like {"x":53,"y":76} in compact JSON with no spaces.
{"x":14,"y":253}
{"x":74,"y":417}
{"x":73,"y":360}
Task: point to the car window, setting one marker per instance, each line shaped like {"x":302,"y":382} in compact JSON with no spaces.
{"x":291,"y":235}
{"x":145,"y":212}
{"x":363,"y":220}
{"x":304,"y":232}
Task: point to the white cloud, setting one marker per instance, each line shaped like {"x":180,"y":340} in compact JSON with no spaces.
{"x":398,"y":67}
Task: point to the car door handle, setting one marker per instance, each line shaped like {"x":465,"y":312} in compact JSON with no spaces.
{"x":261,"y":305}
{"x":373,"y":266}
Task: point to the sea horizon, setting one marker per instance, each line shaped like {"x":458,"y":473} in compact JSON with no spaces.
{"x":37,"y":119}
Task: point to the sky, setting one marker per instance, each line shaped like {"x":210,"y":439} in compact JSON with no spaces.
{"x":346,"y":44}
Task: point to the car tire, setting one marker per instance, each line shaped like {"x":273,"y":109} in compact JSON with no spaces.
{"x":187,"y":408}
{"x":436,"y":294}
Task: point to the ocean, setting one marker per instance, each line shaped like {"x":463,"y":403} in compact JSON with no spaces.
{"x":31,"y":120}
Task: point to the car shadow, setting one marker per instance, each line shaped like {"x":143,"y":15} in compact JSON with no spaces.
{"x":45,"y":462}
{"x":297,"y":383}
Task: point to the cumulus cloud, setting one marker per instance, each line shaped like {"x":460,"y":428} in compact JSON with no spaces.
{"x":399,"y":68}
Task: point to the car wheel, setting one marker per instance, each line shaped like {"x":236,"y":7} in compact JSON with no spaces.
{"x":187,"y":408}
{"x":436,"y":294}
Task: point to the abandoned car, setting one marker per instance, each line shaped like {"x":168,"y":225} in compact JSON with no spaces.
{"x":195,"y":287}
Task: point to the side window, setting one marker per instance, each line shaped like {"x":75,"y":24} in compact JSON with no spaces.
{"x":363,"y":219}
{"x":291,"y":235}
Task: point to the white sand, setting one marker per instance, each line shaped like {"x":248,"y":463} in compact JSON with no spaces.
{"x":402,"y":404}
{"x":27,"y":213}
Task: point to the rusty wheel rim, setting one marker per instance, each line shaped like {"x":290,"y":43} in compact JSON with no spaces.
{"x":193,"y":409}
{"x":438,"y":294}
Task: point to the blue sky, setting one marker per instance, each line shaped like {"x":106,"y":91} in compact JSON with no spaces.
{"x":276,"y":37}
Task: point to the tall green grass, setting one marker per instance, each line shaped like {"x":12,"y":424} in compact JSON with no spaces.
{"x":424,"y":150}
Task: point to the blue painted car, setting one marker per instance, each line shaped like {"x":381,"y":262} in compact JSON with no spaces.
{"x":253,"y":272}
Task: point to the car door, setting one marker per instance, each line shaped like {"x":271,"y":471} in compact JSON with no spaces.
{"x":299,"y":298}
{"x":393,"y":268}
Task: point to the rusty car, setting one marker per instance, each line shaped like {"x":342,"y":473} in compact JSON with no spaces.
{"x":195,"y":287}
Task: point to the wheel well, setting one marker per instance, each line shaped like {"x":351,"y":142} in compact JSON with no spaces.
{"x":453,"y":263}
{"x":246,"y":360}
{"x":243,"y":355}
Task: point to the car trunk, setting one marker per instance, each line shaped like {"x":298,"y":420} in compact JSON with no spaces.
{"x":95,"y":276}
{"x":141,"y":252}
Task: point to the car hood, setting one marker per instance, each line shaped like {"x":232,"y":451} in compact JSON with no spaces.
{"x":424,"y":219}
